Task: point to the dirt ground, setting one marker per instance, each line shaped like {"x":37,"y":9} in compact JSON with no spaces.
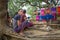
{"x":36,"y":33}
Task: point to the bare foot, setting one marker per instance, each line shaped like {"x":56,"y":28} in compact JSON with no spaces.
{"x":22,"y":34}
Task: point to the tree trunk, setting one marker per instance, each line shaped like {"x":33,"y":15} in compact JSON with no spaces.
{"x":3,"y":13}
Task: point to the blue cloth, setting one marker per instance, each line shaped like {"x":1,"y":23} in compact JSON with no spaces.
{"x":42,"y":17}
{"x":48,"y":17}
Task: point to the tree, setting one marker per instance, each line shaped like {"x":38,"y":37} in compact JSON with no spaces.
{"x":3,"y":15}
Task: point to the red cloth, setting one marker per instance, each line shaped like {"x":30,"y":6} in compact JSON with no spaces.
{"x":58,"y":10}
{"x":47,"y":10}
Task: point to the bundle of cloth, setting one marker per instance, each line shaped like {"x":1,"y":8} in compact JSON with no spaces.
{"x":45,"y":14}
{"x":53,"y":12}
{"x":48,"y":13}
{"x":42,"y":14}
{"x":58,"y":10}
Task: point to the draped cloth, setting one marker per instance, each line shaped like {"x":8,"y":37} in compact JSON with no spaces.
{"x":48,"y":17}
{"x":37,"y":18}
{"x":53,"y":12}
{"x":47,"y":10}
{"x":58,"y":10}
{"x":42,"y":13}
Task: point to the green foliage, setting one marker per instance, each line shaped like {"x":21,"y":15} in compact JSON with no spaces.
{"x":30,"y":10}
{"x":14,"y":5}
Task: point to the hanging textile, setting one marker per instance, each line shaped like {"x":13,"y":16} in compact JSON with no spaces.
{"x":37,"y":17}
{"x":58,"y":10}
{"x":47,"y":10}
{"x":42,"y":13}
{"x":53,"y":12}
{"x":48,"y":17}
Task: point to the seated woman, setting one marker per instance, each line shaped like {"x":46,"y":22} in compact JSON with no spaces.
{"x":20,"y":22}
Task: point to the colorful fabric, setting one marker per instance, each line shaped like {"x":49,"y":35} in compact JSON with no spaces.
{"x":42,"y":11}
{"x":41,"y":18}
{"x":48,"y":17}
{"x":37,"y":18}
{"x":53,"y":10}
{"x":47,"y":10}
{"x":54,"y":14}
{"x":58,"y":10}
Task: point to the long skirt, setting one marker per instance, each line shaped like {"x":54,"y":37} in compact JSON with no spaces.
{"x":23,"y":25}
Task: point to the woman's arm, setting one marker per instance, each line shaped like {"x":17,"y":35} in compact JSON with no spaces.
{"x":18,"y":22}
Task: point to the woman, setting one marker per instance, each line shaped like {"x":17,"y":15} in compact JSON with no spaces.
{"x":24,"y":22}
{"x":20,"y":22}
{"x":16,"y":21}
